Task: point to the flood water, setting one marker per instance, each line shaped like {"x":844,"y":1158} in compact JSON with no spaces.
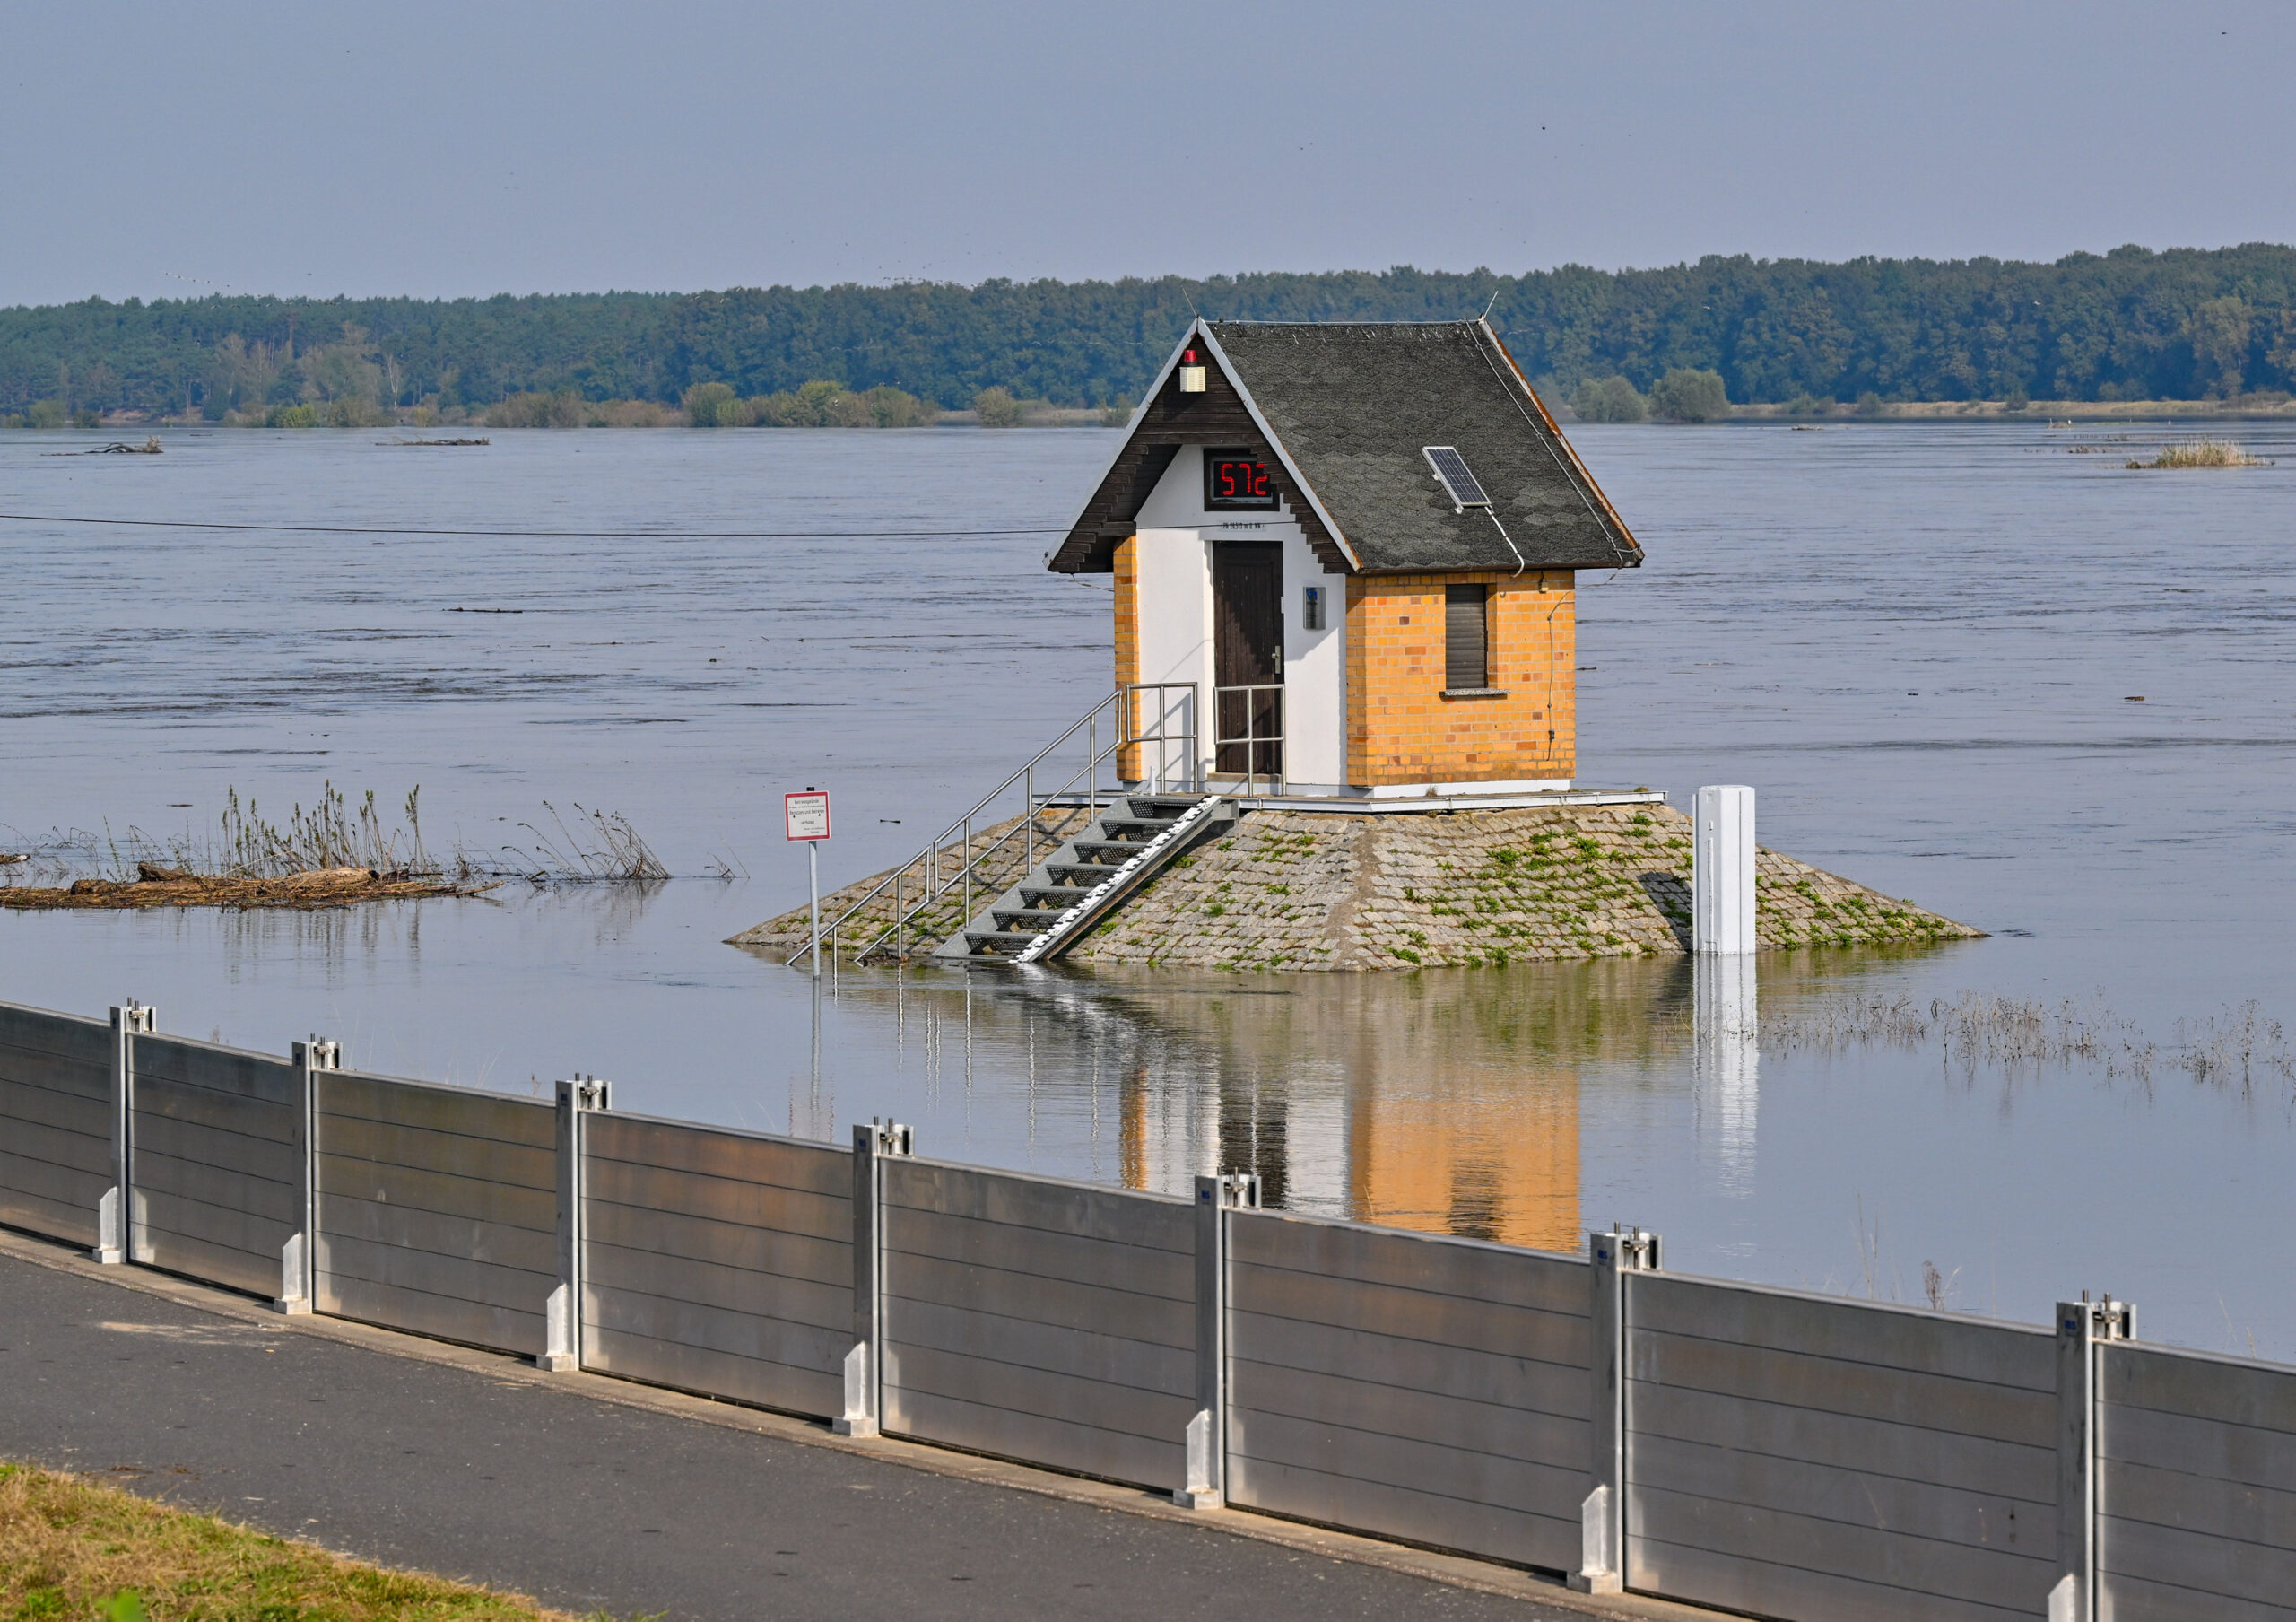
{"x":1920,"y":643}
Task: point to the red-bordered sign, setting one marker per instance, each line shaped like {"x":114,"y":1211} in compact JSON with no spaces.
{"x":807,"y":814}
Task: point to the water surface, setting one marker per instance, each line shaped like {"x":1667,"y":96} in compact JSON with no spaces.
{"x":1921,"y":644}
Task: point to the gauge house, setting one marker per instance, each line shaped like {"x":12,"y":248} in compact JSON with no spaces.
{"x":1344,"y":558}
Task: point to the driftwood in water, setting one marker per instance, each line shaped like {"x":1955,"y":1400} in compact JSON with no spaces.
{"x":154,"y":885}
{"x":434,"y":441}
{"x":150,"y":447}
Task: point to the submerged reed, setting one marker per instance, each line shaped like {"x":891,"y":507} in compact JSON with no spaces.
{"x":2235,"y":1046}
{"x":592,"y":847}
{"x":600,"y":847}
{"x":2202,"y":453}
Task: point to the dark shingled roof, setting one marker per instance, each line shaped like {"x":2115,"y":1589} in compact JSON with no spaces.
{"x":1349,"y":407}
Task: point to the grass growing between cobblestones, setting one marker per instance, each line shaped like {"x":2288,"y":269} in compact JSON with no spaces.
{"x":72,"y":1550}
{"x":1297,"y":890}
{"x":1289,"y":891}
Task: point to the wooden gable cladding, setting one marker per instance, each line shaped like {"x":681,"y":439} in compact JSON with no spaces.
{"x":1217,"y":416}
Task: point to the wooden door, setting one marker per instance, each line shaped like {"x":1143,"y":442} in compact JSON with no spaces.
{"x":1248,"y":652}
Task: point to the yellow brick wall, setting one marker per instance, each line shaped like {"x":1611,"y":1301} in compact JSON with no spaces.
{"x":1402,"y":729}
{"x":1127,"y":642}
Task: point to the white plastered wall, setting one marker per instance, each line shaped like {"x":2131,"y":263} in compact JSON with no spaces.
{"x":1175,"y":536}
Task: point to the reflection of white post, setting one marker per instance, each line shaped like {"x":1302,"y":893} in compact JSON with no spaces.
{"x":1722,"y":870}
{"x":1727,"y":1067}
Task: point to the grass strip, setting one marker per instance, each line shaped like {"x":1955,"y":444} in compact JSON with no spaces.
{"x":72,"y":1551}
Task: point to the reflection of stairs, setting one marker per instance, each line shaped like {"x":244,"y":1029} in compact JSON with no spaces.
{"x":1089,"y":876}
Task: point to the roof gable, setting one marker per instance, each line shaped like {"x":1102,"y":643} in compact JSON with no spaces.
{"x":1342,"y":414}
{"x":1220,"y":416}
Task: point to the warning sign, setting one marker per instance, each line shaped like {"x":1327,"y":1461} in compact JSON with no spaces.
{"x":807,"y":812}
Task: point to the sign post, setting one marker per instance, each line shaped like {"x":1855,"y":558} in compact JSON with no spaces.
{"x":807,"y":816}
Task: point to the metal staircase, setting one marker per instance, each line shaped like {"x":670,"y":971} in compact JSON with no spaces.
{"x":1089,"y":876}
{"x":1065,"y":825}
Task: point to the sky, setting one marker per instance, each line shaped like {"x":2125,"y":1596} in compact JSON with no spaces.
{"x":442,"y":150}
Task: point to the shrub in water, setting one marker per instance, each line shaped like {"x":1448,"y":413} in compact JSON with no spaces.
{"x":1688,"y":396}
{"x":998,"y":408}
{"x":1608,"y":400}
{"x":703,"y":401}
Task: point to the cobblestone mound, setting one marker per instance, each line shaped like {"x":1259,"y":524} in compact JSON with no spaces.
{"x":1291,"y":890}
{"x":1001,"y":859}
{"x":1312,"y":890}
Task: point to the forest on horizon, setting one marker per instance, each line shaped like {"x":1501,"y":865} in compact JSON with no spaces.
{"x":2130,"y":324}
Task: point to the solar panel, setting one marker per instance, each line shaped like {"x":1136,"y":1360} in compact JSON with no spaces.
{"x":1451,"y":467}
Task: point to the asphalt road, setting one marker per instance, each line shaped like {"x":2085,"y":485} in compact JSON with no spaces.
{"x":595,"y":1507}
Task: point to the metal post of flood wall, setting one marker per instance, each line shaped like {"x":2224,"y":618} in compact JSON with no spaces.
{"x":1722,"y":869}
{"x":299,"y":1257}
{"x":865,"y":1363}
{"x":1601,"y":1532}
{"x":115,"y":1211}
{"x":1206,"y":1484}
{"x":2082,"y":1326}
{"x":562,"y":1349}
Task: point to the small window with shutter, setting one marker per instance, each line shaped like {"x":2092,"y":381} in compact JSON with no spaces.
{"x":1466,"y":638}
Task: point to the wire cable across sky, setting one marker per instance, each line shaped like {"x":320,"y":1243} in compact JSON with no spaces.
{"x":540,"y":534}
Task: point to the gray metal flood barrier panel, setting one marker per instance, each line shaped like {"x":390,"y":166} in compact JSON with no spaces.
{"x":1796,"y":1455}
{"x":1785,"y":1454}
{"x":216,"y":1171}
{"x":717,"y":1261}
{"x":2196,"y":1485}
{"x":438,"y":1209}
{"x":55,"y":1121}
{"x":1048,"y":1322}
{"x":1409,"y":1384}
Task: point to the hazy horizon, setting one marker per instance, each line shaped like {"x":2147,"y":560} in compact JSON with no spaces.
{"x":1279,"y":270}
{"x":427,"y":151}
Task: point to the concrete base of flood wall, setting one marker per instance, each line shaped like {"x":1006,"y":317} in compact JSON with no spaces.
{"x":1330,"y":890}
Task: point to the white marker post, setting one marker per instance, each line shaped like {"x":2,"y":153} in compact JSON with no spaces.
{"x":1722,"y":871}
{"x":807,"y":816}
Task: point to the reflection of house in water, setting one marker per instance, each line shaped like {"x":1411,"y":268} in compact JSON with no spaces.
{"x":1447,"y":1103}
{"x":1349,"y":1106}
{"x":1450,"y":1105}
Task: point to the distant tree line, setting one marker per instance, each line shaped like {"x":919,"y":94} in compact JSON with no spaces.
{"x":2130,"y":324}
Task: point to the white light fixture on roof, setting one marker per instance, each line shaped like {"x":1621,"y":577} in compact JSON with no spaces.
{"x":1191,"y":373}
{"x":1451,"y":468}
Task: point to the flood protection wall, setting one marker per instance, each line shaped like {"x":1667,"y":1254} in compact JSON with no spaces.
{"x":436,"y":1210}
{"x":1772,"y":1452}
{"x":2198,"y":1487}
{"x":1047,"y":1321}
{"x":56,"y":1122}
{"x":214,"y":1181}
{"x":1434,"y":1388}
{"x":1790,"y":1455}
{"x":717,"y":1261}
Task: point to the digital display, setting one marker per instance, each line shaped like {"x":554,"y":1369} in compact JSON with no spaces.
{"x":1237,"y":481}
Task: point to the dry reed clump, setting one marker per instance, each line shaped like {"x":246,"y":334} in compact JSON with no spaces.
{"x":332,"y":834}
{"x":2203,"y":453}
{"x":2236,"y":1046}
{"x":333,"y":853}
{"x":73,"y":1548}
{"x":600,"y":847}
{"x":329,"y":835}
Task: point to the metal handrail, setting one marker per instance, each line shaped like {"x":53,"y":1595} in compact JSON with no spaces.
{"x":1124,"y":733}
{"x":1252,"y":738}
